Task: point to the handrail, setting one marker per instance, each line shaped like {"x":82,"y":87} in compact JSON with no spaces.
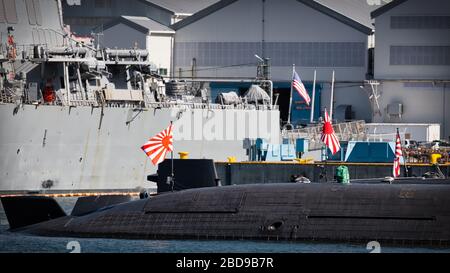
{"x":66,"y":35}
{"x":4,"y":98}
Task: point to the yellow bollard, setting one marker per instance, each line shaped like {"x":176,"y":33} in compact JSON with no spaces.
{"x":183,"y":155}
{"x":434,"y":158}
{"x":231,"y":159}
{"x":304,"y":160}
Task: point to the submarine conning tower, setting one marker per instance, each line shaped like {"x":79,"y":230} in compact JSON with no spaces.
{"x":187,"y":174}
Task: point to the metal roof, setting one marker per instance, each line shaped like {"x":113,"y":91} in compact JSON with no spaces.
{"x":358,"y":10}
{"x":142,"y":24}
{"x":202,"y":13}
{"x":386,"y":8}
{"x":355,"y":13}
{"x":181,"y":6}
{"x":349,"y":12}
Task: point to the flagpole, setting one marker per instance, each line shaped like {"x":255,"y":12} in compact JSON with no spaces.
{"x":290,"y":100}
{"x":313,"y":98}
{"x":332,"y":97}
{"x":326,"y":156}
{"x":326,"y":147}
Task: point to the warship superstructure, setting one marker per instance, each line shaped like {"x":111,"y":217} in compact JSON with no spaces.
{"x":73,"y":115}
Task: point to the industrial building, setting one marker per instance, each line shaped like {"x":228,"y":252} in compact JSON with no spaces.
{"x":89,"y":16}
{"x":412,"y":62}
{"x":390,"y":58}
{"x":222,"y":40}
{"x":142,"y":32}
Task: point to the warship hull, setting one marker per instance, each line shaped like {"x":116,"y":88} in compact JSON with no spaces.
{"x":61,"y":148}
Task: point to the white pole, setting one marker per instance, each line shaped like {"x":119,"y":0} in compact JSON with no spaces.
{"x":332,"y":97}
{"x":313,"y":98}
{"x":171,"y":162}
{"x":290,"y":101}
{"x":66,"y":81}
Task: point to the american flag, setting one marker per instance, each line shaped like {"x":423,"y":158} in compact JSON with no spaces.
{"x":398,"y":154}
{"x":157,"y":147}
{"x":298,"y":85}
{"x":328,"y":136}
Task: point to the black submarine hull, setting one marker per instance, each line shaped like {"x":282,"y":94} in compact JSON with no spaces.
{"x":414,"y":214}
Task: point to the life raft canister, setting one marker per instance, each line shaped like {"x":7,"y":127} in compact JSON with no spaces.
{"x":49,"y":92}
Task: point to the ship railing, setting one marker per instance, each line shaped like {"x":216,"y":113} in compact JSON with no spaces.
{"x":25,"y":51}
{"x":69,"y":41}
{"x":5,"y":98}
{"x":209,"y":106}
{"x":28,"y":51}
{"x":385,"y":137}
{"x":78,"y":99}
{"x":348,"y":131}
{"x":83,"y":102}
{"x":61,"y":100}
{"x":96,"y":98}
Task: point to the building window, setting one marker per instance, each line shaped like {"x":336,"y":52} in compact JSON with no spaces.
{"x":420,"y":22}
{"x":420,"y":55}
{"x":308,"y":54}
{"x":163,"y":71}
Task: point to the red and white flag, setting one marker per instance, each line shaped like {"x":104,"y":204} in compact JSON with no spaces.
{"x":328,"y":136}
{"x":398,"y":154}
{"x":157,"y":147}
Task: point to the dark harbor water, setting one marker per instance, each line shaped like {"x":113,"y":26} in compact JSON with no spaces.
{"x":13,"y":242}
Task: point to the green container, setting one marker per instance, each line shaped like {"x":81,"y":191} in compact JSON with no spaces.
{"x":342,"y":175}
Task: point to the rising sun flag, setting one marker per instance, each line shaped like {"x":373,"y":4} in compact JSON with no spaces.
{"x":157,"y":147}
{"x":328,"y":136}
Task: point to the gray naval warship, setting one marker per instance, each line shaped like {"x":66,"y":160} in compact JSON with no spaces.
{"x":73,"y":116}
{"x":406,"y":211}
